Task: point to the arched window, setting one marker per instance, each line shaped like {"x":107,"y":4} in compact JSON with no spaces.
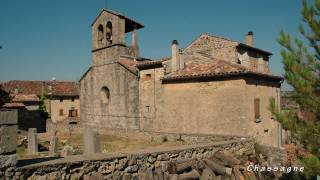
{"x":100,"y":35}
{"x":105,"y":95}
{"x":109,"y":33}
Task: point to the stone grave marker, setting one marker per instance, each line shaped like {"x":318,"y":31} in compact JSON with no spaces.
{"x":32,"y":141}
{"x":91,"y":141}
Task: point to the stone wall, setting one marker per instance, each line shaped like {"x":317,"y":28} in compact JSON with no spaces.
{"x":109,"y":92}
{"x":229,"y":50}
{"x":208,"y":107}
{"x":267,"y":131}
{"x":8,"y":137}
{"x":121,"y":166}
{"x":121,"y":108}
{"x":215,"y":47}
{"x":67,"y":104}
{"x":67,"y":126}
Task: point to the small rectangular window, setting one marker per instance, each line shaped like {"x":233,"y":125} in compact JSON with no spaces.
{"x":61,"y":99}
{"x":72,"y":99}
{"x":148,"y":76}
{"x":61,"y":112}
{"x":257,"y":109}
{"x":147,"y":109}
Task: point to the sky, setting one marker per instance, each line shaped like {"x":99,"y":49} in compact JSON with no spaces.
{"x":42,"y":39}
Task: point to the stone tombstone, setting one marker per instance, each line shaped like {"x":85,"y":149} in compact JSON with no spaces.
{"x":8,"y":138}
{"x":67,"y":151}
{"x":91,"y":141}
{"x":53,"y":149}
{"x":32,"y":140}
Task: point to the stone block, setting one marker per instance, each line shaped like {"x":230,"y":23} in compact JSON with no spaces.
{"x":8,"y":117}
{"x":67,"y":151}
{"x":91,"y":141}
{"x":8,"y":139}
{"x":207,"y":174}
{"x":8,"y":160}
{"x":32,"y":140}
{"x":53,"y":149}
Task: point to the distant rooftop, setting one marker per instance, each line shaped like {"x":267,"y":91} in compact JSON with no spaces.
{"x":54,"y":88}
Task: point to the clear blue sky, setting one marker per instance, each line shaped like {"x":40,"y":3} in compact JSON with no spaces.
{"x":42,"y":39}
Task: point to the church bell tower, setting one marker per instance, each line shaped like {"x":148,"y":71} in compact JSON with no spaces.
{"x":108,"y":37}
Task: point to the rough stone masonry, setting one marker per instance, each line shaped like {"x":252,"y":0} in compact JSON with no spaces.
{"x":213,"y":86}
{"x":133,"y":165}
{"x":8,"y":138}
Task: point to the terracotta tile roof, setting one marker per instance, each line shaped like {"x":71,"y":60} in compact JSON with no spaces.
{"x":254,"y":48}
{"x":214,"y":68}
{"x":205,"y":68}
{"x":56,"y":88}
{"x":131,"y":64}
{"x":151,"y":64}
{"x":13,"y":105}
{"x":25,"y":97}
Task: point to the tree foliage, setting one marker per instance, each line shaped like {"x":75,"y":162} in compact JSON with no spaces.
{"x":301,"y":60}
{"x":4,"y":97}
{"x":42,"y":105}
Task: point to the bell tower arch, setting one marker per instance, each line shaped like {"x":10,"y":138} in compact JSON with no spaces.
{"x":108,"y":37}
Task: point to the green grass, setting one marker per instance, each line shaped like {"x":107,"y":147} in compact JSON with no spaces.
{"x":109,"y":143}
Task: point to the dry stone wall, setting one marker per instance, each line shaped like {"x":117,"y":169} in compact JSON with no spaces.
{"x":135,"y":165}
{"x":215,"y":47}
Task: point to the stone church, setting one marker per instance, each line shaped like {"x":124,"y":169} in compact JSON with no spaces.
{"x":213,"y":86}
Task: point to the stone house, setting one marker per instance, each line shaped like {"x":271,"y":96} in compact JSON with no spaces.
{"x":213,"y":86}
{"x":62,"y":96}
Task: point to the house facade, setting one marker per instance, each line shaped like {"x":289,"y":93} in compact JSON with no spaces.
{"x":61,"y":102}
{"x":213,"y":86}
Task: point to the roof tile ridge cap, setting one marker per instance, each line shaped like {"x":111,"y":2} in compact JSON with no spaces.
{"x":220,"y":37}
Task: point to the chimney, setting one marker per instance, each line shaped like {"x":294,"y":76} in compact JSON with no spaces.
{"x":175,"y":60}
{"x":249,"y":38}
{"x":134,"y":42}
{"x":181,"y":59}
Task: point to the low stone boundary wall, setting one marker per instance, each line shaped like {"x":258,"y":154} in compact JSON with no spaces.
{"x":163,"y":136}
{"x":65,"y":126}
{"x":123,"y":166}
{"x":8,"y":136}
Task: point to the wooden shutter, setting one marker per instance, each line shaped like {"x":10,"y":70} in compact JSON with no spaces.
{"x":256,"y":108}
{"x":61,"y":112}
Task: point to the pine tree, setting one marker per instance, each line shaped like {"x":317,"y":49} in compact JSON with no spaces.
{"x":301,"y":60}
